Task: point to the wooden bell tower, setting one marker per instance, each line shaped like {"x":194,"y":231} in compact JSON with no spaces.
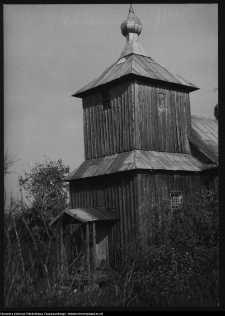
{"x":137,"y":124}
{"x":136,"y":104}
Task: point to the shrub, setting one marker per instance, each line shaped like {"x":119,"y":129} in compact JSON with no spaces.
{"x":184,"y":271}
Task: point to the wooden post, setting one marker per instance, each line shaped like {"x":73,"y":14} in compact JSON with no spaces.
{"x":57,"y":250}
{"x":94,"y":248}
{"x":88,"y":251}
{"x":61,"y":248}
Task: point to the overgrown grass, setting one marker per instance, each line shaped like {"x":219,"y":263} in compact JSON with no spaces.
{"x":177,"y":271}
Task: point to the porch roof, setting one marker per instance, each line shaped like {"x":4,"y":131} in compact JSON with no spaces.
{"x":84,"y":215}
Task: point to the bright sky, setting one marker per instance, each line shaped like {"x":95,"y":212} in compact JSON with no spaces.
{"x":51,"y":51}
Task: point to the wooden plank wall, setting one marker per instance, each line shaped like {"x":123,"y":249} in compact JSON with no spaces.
{"x":162,"y":118}
{"x":142,"y":116}
{"x":155,"y":187}
{"x":109,"y":131}
{"x":115,"y":192}
{"x":136,"y":197}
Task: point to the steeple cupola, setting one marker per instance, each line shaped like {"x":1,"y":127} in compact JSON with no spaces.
{"x":132,"y":26}
{"x":131,"y":29}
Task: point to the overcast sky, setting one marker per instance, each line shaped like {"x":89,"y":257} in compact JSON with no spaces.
{"x":51,"y":51}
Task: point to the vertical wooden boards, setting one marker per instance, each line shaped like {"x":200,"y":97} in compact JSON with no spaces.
{"x":139,"y":199}
{"x":188,"y":112}
{"x":88,"y":251}
{"x":185,"y":124}
{"x":115,"y":122}
{"x":110,"y":230}
{"x":121,"y":213}
{"x":101,"y":139}
{"x":112,"y":119}
{"x":142,"y":115}
{"x":111,"y":134}
{"x":152,"y":123}
{"x":132,"y":118}
{"x":129,"y":117}
{"x":177,"y":114}
{"x":84,"y":127}
{"x":94,"y":247}
{"x":128,"y":207}
{"x":98,"y":129}
{"x":144,"y":118}
{"x":61,"y":249}
{"x":136,"y":196}
{"x":161,"y":113}
{"x":167,"y":120}
{"x":136,"y":107}
{"x":148,"y":116}
{"x":182,"y":123}
{"x":121,"y":127}
{"x":123,"y":116}
{"x":106,"y":123}
{"x":124,"y":209}
{"x":114,"y":191}
{"x":103,"y":128}
{"x":163,"y":121}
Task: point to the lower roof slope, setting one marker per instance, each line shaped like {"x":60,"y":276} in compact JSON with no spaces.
{"x":137,"y":159}
{"x":204,"y":136}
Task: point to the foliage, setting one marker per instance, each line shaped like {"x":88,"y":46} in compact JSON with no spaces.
{"x":48,"y":195}
{"x":9,"y":161}
{"x":196,"y":224}
{"x":182,"y":271}
{"x":45,"y":187}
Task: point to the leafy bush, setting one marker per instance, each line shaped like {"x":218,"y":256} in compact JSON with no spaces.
{"x":44,"y":186}
{"x":185,"y":270}
{"x":182,"y":270}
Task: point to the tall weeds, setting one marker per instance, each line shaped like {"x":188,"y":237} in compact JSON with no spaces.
{"x":179,"y":267}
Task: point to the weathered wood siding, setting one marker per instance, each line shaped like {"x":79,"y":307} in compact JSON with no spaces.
{"x":109,"y":131}
{"x":142,"y":116}
{"x":162,"y":118}
{"x":136,"y":197}
{"x":155,"y":187}
{"x":116,"y":191}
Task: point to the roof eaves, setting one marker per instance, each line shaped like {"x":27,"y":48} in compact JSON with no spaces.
{"x":202,"y":151}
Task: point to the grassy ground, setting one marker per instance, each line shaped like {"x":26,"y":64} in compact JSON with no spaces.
{"x":179,"y":271}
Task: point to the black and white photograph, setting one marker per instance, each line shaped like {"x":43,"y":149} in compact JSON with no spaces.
{"x":111,"y":191}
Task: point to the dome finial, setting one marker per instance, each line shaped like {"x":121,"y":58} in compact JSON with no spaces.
{"x":131,"y":29}
{"x":132,"y":25}
{"x":131,"y":9}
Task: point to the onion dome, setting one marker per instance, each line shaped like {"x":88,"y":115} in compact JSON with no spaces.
{"x":132,"y":24}
{"x":131,"y":29}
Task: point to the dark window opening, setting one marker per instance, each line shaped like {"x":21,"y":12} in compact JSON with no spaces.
{"x":176,"y":199}
{"x":106,"y":100}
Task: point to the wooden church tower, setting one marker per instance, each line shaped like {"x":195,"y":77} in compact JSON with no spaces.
{"x":137,"y":130}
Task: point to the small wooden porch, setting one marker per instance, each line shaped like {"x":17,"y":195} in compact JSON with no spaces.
{"x":86,"y":244}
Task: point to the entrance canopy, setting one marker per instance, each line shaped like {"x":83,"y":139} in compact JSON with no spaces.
{"x":85,"y":215}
